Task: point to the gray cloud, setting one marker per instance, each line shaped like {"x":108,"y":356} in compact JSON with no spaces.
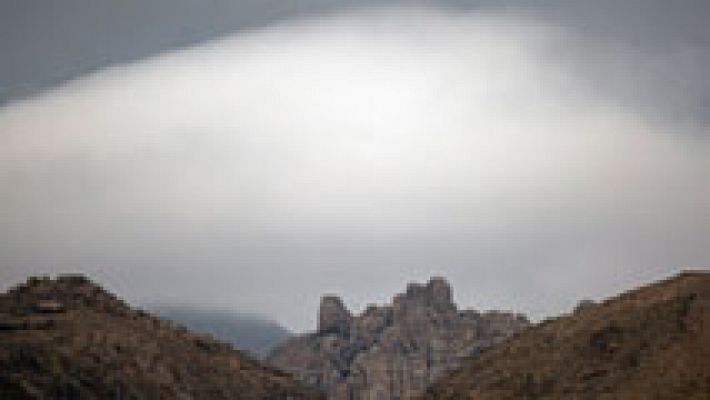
{"x":352,"y":153}
{"x":43,"y":44}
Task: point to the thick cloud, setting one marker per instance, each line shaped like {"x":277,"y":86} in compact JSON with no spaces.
{"x":355,"y":152}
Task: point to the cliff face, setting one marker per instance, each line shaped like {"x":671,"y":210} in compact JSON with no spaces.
{"x":393,"y":351}
{"x":70,"y":339}
{"x":649,"y":343}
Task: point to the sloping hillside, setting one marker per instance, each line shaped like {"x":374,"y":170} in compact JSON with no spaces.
{"x":70,"y":339}
{"x":649,"y":343}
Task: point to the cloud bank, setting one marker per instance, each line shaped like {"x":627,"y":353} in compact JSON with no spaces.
{"x":351,"y":154}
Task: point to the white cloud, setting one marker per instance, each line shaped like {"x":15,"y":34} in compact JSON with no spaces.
{"x":384,"y":124}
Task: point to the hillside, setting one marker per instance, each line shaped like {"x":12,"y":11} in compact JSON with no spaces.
{"x":391,"y":351}
{"x":649,"y":343}
{"x":254,"y":334}
{"x":69,"y":339}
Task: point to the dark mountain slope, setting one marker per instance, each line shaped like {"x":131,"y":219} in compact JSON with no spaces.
{"x":649,"y":343}
{"x":70,"y":339}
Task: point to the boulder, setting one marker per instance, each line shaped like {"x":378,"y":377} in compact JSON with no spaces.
{"x":49,"y":306}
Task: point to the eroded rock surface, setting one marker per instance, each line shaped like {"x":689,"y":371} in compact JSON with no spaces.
{"x":392,"y":351}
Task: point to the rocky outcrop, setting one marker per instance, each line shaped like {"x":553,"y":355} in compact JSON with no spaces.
{"x":333,"y":317}
{"x":392,"y":351}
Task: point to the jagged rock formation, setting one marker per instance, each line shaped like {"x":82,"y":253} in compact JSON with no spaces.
{"x":650,"y":343}
{"x":393,"y":351}
{"x":69,"y":339}
{"x":333,"y":316}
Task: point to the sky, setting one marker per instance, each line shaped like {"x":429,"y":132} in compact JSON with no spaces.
{"x":533,"y":154}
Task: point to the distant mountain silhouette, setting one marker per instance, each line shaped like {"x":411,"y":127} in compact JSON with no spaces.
{"x":649,"y":343}
{"x":254,"y":334}
{"x":69,"y":339}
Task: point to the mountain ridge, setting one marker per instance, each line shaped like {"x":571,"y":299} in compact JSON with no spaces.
{"x":67,"y":338}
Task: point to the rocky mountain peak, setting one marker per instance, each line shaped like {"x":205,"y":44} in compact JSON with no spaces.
{"x":66,"y":292}
{"x":391,"y":351}
{"x":333,"y":316}
{"x":420,"y":301}
{"x":436,"y":293}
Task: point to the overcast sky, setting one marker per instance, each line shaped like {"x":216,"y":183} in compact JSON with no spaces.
{"x":533,"y":156}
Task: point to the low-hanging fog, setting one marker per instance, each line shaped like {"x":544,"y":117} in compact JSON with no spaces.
{"x":355,"y":152}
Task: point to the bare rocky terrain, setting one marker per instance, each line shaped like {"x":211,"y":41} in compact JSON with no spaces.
{"x":70,"y":339}
{"x":392,"y":351}
{"x":648,"y":343}
{"x":67,"y":338}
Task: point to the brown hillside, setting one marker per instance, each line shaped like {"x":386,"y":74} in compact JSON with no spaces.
{"x":70,"y":339}
{"x":650,"y":343}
